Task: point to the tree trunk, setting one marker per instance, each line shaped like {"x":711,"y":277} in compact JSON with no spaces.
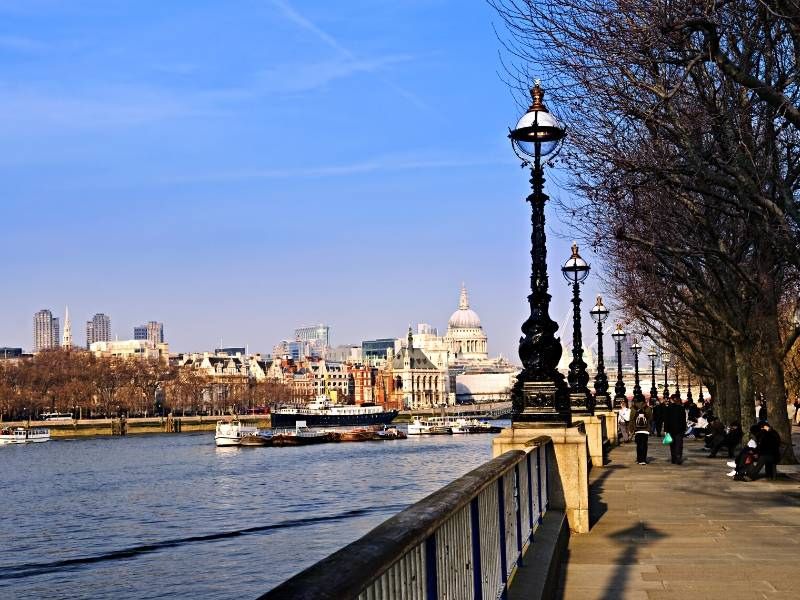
{"x":744,"y":373}
{"x":726,"y":389}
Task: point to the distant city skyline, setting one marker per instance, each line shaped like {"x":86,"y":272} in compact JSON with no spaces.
{"x":169,"y":179}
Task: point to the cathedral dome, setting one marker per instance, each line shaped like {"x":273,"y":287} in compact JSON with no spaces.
{"x":464,"y":317}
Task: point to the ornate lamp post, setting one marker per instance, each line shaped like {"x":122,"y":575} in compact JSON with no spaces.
{"x":677,"y":381}
{"x":700,"y":397}
{"x":689,"y":388}
{"x":619,"y":389}
{"x":636,"y":347}
{"x":599,"y":315}
{"x":575,"y":271}
{"x":665,"y":358}
{"x":652,"y":355}
{"x":540,"y":394}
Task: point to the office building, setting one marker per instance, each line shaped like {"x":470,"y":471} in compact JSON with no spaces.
{"x":98,"y":329}
{"x":314,"y":333}
{"x":46,"y":331}
{"x":153,"y":331}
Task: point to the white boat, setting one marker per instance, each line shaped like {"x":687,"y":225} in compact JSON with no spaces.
{"x":420,"y":426}
{"x":56,"y":416}
{"x":230,"y":433}
{"x":20,"y":435}
{"x":458,"y":424}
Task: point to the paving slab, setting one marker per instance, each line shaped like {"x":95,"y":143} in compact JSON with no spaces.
{"x":663,"y":531}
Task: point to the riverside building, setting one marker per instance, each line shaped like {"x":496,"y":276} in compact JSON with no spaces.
{"x":98,"y":329}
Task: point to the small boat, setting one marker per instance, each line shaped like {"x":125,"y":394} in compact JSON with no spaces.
{"x":262,"y":438}
{"x":356,"y":435}
{"x":324,"y":413}
{"x":459,"y":424}
{"x":20,"y":435}
{"x":301,"y":436}
{"x":420,"y":426}
{"x":230,"y":433}
{"x":389,"y":433}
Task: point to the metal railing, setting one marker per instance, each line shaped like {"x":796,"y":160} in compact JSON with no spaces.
{"x":465,"y":540}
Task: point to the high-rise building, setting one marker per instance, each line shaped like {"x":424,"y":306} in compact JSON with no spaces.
{"x":315,"y":333}
{"x":46,"y":331}
{"x":153,"y":331}
{"x":98,"y":329}
{"x":66,"y":341}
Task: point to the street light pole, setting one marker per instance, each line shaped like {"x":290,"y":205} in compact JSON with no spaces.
{"x":575,"y":271}
{"x":636,"y":347}
{"x":599,"y":315}
{"x":540,"y":394}
{"x":677,"y":382}
{"x":619,"y":389}
{"x":689,"y":389}
{"x":652,"y":355}
{"x":665,"y":358}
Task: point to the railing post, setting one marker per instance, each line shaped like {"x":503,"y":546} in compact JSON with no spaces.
{"x":547,"y":478}
{"x":530,"y":492}
{"x":539,"y":481}
{"x":477,"y":568}
{"x":501,"y":509}
{"x":518,"y":498}
{"x":431,"y":583}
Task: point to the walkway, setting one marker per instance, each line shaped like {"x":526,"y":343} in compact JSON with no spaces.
{"x":688,"y":532}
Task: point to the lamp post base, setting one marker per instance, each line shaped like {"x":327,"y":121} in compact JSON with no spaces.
{"x":603,"y":402}
{"x":541,"y":406}
{"x":581,"y":404}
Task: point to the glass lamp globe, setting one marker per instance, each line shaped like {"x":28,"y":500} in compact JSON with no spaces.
{"x":666,"y":357}
{"x":636,"y":347}
{"x":536,"y":128}
{"x":619,"y":333}
{"x":575,"y":270}
{"x":599,"y":312}
{"x":653,"y":354}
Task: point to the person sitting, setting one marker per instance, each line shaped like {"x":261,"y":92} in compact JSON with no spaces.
{"x":746,"y":457}
{"x":730,"y":440}
{"x":768,"y":450}
{"x":715,"y":433}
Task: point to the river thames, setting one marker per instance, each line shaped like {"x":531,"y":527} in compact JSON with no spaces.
{"x":157,"y":516}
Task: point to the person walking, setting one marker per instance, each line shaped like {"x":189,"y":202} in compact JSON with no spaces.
{"x":642,"y":423}
{"x":675,"y":426}
{"x":623,"y":421}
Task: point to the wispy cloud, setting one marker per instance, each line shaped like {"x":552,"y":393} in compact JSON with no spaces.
{"x":378,"y":164}
{"x":303,"y":22}
{"x":16,"y":43}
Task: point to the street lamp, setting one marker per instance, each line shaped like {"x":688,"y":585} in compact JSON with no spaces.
{"x":689,"y":398}
{"x":636,"y":347}
{"x":677,"y":381}
{"x":665,"y":358}
{"x":540,"y":393}
{"x":652,"y":355}
{"x":575,"y":271}
{"x":599,"y":315}
{"x":619,"y":389}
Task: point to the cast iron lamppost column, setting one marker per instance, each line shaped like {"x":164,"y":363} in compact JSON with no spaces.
{"x":636,"y":347}
{"x":665,"y":358}
{"x":619,"y":389}
{"x":540,"y":394}
{"x":677,"y":381}
{"x":575,"y":271}
{"x":652,"y":355}
{"x":689,"y":389}
{"x":700,"y":397}
{"x":599,"y":315}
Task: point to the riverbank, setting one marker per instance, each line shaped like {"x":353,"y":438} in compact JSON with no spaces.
{"x":133,"y":426}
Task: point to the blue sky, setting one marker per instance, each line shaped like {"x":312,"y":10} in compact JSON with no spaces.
{"x":236,"y":169}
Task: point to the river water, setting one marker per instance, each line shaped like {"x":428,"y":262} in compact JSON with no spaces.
{"x":157,"y":516}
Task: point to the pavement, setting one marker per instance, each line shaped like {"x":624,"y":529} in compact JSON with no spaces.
{"x":685,"y":531}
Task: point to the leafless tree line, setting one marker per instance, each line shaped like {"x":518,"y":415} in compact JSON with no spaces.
{"x":683,"y":158}
{"x":87,"y":386}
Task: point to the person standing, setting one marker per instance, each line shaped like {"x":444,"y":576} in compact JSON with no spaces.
{"x":658,"y":417}
{"x":623,"y":420}
{"x":675,"y":426}
{"x":642,"y":422}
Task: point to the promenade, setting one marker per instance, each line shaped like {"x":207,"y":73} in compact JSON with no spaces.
{"x":685,"y":531}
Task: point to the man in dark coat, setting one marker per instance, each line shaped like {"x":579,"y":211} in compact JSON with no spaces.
{"x":658,"y":416}
{"x":675,"y":426}
{"x":768,"y":451}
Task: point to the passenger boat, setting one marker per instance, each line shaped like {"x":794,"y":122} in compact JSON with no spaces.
{"x":56,"y":416}
{"x":324,"y":413}
{"x":389,"y":433}
{"x":420,"y":426}
{"x":459,"y":424}
{"x":230,"y":433}
{"x":20,"y":435}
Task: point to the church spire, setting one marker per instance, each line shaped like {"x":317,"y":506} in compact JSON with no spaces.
{"x":66,"y":341}
{"x":410,"y":339}
{"x":463,"y":301}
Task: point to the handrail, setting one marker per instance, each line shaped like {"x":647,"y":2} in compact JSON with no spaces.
{"x":409,"y":539}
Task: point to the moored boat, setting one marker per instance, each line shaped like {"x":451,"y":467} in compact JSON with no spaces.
{"x":261,"y":438}
{"x":230,"y":433}
{"x":301,"y":436}
{"x":420,"y":426}
{"x":20,"y":435}
{"x":324,"y":413}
